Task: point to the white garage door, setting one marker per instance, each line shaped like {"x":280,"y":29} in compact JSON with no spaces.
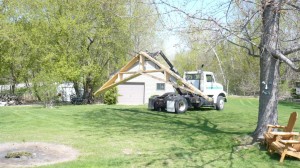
{"x":131,"y":93}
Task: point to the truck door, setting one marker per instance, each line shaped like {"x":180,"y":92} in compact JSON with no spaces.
{"x":194,"y":79}
{"x":209,"y":83}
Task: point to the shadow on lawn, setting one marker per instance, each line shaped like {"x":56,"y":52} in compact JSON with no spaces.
{"x":197,"y":131}
{"x":139,"y":119}
{"x":293,"y":105}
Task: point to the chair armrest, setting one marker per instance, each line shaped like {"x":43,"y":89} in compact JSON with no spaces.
{"x":275,"y":126}
{"x":270,"y":127}
{"x":285,"y":133}
{"x":290,"y":141}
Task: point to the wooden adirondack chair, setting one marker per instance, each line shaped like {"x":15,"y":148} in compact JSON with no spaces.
{"x":271,"y":136}
{"x":286,"y":147}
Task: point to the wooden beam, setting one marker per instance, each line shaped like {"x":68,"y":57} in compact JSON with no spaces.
{"x":146,"y":71}
{"x":167,"y":76}
{"x":142,"y":63}
{"x":110,"y":81}
{"x":131,"y":72}
{"x":103,"y":89}
{"x":141,"y":58}
{"x":153,"y":71}
{"x":120,"y":76}
{"x":129,"y":65}
{"x":173,"y":84}
{"x":188,"y":85}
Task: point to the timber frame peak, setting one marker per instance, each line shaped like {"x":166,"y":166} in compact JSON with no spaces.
{"x":170,"y":76}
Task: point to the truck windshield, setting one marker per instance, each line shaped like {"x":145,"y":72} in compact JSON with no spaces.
{"x":192,"y":76}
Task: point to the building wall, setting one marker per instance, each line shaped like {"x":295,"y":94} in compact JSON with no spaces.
{"x":67,"y":90}
{"x":150,"y":83}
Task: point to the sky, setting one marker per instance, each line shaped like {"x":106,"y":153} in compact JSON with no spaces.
{"x":173,"y":22}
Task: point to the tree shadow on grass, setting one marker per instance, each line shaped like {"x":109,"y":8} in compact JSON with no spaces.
{"x":288,"y":161}
{"x":293,"y":105}
{"x":143,"y":120}
{"x":200,"y":133}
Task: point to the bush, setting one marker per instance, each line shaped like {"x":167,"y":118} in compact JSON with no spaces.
{"x":111,"y":96}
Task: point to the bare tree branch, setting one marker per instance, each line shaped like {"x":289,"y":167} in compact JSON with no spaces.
{"x":249,"y":51}
{"x":291,"y":50}
{"x":294,"y":6}
{"x":295,"y":59}
{"x":282,"y":57}
{"x":231,"y":32}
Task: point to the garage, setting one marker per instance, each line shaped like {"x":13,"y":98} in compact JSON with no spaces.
{"x":131,"y":93}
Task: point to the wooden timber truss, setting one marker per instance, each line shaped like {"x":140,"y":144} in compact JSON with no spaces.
{"x":170,"y":77}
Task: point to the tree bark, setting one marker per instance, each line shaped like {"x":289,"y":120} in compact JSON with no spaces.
{"x":76,"y":87}
{"x":269,"y":68}
{"x":268,"y":99}
{"x":88,"y":89}
{"x":36,"y":93}
{"x":13,"y":80}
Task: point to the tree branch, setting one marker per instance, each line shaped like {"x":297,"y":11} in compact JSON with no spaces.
{"x":295,"y":59}
{"x":291,"y":50}
{"x":294,"y":6}
{"x":249,"y":51}
{"x":282,"y":57}
{"x":209,"y":19}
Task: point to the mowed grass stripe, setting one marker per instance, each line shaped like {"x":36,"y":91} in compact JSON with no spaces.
{"x":132,"y":136}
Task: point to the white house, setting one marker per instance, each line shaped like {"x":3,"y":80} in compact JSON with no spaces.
{"x":139,"y":89}
{"x":67,"y":90}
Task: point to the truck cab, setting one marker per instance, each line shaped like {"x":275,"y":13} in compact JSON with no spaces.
{"x":205,"y":81}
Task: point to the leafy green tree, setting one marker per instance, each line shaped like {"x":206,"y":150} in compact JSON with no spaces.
{"x":143,"y":24}
{"x":77,"y":41}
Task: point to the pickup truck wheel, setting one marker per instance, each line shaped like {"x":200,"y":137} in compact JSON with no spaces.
{"x":220,"y":103}
{"x":181,"y":105}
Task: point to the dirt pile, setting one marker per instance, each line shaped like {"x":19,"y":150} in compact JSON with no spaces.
{"x":40,"y":154}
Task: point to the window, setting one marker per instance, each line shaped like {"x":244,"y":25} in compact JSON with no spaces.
{"x":160,"y":86}
{"x":192,"y":76}
{"x":209,"y":78}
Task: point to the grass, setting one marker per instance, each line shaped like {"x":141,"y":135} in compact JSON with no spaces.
{"x":132,"y":136}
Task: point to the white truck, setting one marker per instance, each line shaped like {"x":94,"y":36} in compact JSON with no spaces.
{"x":180,"y":102}
{"x":205,"y":81}
{"x":196,"y":89}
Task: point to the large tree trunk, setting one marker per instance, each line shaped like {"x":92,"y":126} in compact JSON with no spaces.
{"x":268,"y":100}
{"x":269,"y":68}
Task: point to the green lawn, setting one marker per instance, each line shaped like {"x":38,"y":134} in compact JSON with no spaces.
{"x":132,"y":136}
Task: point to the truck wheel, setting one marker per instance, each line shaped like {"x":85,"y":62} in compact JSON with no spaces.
{"x":156,"y":108}
{"x":152,"y":103}
{"x":220,"y":103}
{"x":181,"y":105}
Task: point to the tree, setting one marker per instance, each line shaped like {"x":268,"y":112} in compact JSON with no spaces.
{"x":143,"y":25}
{"x":48,"y":42}
{"x":255,"y":26}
